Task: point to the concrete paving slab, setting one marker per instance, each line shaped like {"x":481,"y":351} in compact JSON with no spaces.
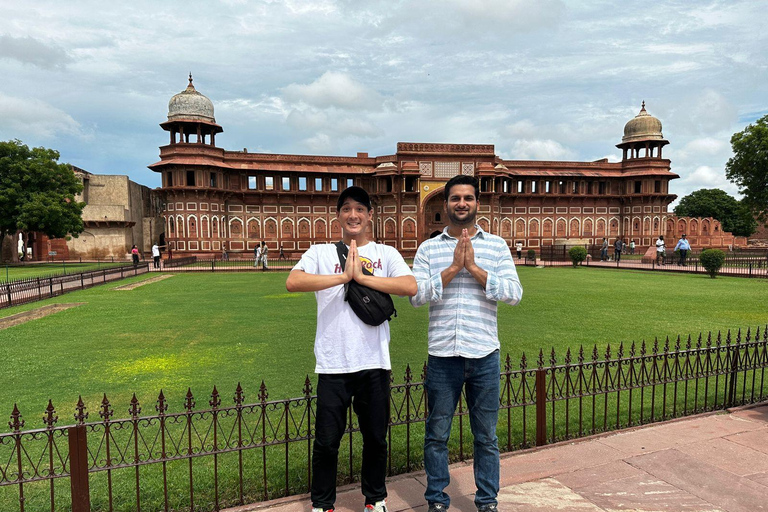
{"x":405,"y":494}
{"x":565,"y":458}
{"x":712,"y":484}
{"x":583,"y":478}
{"x":545,"y":495}
{"x":759,"y":414}
{"x":675,"y":433}
{"x":760,"y":478}
{"x":643,"y":493}
{"x":756,"y":439}
{"x":732,"y":457}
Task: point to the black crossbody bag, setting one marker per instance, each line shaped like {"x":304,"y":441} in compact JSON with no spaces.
{"x":371,"y":306}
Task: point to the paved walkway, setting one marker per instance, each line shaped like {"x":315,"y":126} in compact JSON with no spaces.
{"x":712,"y":462}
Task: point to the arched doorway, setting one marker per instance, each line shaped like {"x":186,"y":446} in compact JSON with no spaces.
{"x":433,"y":213}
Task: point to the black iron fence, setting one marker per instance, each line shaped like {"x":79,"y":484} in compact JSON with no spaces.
{"x":233,"y":263}
{"x":222,"y":455}
{"x":739,"y":262}
{"x":20,"y":291}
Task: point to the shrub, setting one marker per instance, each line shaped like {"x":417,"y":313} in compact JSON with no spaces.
{"x":577,"y":254}
{"x":531,"y":254}
{"x":712,"y":260}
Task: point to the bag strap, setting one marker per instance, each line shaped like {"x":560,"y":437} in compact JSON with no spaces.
{"x":342,"y":251}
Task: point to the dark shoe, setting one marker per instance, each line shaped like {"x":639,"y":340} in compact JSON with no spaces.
{"x":491,"y":507}
{"x":437,"y":507}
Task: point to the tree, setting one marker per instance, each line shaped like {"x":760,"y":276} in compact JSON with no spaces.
{"x":748,"y":168}
{"x":734,"y":215}
{"x":37,"y":194}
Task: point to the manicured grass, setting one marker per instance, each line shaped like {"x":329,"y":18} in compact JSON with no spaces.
{"x":13,"y":272}
{"x":201,"y":330}
{"x":206,"y":329}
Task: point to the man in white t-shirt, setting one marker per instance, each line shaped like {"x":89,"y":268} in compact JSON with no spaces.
{"x":352,"y":357}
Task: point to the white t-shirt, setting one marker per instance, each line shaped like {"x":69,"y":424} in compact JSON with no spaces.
{"x":660,"y":246}
{"x":155,"y":251}
{"x":343,"y":342}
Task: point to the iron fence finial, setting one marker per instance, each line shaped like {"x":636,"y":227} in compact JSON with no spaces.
{"x":568,"y":356}
{"x":552,"y":358}
{"x":50,"y":417}
{"x":408,"y":374}
{"x":424,"y":369}
{"x":189,"y":400}
{"x":307,"y":387}
{"x":135,"y":409}
{"x":215,"y":400}
{"x":162,"y":404}
{"x":80,"y":411}
{"x":105,"y":409}
{"x":16,"y":422}
{"x":540,"y":362}
{"x":239,"y":396}
{"x":523,"y":362}
{"x":263,"y":395}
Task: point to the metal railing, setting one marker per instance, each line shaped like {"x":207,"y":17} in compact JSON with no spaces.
{"x":226,"y":455}
{"x":230,"y":264}
{"x":21,"y":291}
{"x":742,"y":263}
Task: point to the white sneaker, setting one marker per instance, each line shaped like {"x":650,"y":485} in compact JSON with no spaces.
{"x":379,"y":506}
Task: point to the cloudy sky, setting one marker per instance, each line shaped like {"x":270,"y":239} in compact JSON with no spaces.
{"x":539,"y":79}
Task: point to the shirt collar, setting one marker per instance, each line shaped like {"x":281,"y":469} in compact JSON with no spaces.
{"x":478,"y":234}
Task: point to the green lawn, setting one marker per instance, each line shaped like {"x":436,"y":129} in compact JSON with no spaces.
{"x":13,"y":272}
{"x":206,"y":329}
{"x":201,"y":330}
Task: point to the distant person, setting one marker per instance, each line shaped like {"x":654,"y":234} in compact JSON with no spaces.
{"x":661,"y":250}
{"x":282,"y":254}
{"x":155,"y":256}
{"x":631,"y":247}
{"x":683,"y":246}
{"x":224,"y":255}
{"x":618,"y":245}
{"x":604,"y":250}
{"x":519,"y":249}
{"x":257,"y":254}
{"x":170,"y":253}
{"x":264,"y":255}
{"x":135,"y":254}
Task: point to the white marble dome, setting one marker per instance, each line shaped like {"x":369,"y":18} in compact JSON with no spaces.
{"x":643,"y":127}
{"x":190,"y":105}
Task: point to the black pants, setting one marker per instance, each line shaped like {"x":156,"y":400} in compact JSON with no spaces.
{"x":156,"y":261}
{"x":683,"y":256}
{"x":617,"y":255}
{"x":368,"y":392}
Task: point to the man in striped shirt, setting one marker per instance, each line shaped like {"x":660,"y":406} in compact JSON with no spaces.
{"x":463,"y":273}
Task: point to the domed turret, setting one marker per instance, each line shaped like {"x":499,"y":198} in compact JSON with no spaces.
{"x":190,"y":104}
{"x":190,"y":115}
{"x":643,"y":127}
{"x":642,"y":133}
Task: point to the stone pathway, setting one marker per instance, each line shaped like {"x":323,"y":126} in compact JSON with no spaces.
{"x":711,"y":462}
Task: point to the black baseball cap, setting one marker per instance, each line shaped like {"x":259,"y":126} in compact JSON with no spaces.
{"x":356,"y":193}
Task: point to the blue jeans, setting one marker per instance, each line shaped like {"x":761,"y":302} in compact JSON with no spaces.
{"x":445,"y":378}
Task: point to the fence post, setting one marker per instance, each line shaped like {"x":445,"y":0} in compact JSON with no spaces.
{"x":733,"y":359}
{"x":541,"y":407}
{"x":8,"y":287}
{"x":78,"y":468}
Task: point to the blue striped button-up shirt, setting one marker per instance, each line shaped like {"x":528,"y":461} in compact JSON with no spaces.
{"x":462,"y":316}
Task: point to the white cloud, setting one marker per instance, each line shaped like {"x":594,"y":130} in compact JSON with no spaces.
{"x":334,"y":89}
{"x":537,"y":149}
{"x":32,"y":117}
{"x":29,"y":50}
